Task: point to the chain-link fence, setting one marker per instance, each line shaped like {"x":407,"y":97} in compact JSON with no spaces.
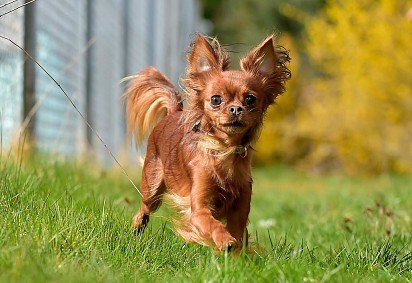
{"x":89,"y":46}
{"x":11,"y":76}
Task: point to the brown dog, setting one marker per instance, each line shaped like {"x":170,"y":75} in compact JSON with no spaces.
{"x":200,"y":155}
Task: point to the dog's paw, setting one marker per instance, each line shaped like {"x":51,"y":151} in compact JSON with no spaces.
{"x":223,"y":240}
{"x":139,"y":223}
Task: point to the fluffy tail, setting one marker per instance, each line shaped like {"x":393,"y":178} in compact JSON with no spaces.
{"x":149,"y":98}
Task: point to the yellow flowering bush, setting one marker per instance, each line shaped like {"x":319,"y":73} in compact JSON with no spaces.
{"x":355,"y":113}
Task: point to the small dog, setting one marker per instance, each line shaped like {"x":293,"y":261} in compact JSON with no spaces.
{"x":199,"y":155}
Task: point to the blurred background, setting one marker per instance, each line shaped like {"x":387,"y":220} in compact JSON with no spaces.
{"x":348,"y":107}
{"x":88,"y":47}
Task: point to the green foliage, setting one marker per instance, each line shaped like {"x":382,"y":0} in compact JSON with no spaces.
{"x":244,"y":23}
{"x":66,"y":222}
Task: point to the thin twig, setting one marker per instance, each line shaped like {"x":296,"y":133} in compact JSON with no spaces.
{"x":75,"y":107}
{"x":18,"y":7}
{"x":21,"y":153}
{"x":1,"y":138}
{"x":40,"y":101}
{"x":8,"y":3}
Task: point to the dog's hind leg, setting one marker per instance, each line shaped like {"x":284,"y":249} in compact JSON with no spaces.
{"x":152,"y":189}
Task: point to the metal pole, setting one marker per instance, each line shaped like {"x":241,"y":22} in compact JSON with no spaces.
{"x":29,"y":72}
{"x":89,"y":62}
{"x":150,"y":33}
{"x":126,"y":53}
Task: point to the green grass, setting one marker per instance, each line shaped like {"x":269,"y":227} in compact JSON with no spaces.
{"x":67,"y":222}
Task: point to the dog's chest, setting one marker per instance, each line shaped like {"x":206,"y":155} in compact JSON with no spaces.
{"x":232,"y":175}
{"x":227,"y":194}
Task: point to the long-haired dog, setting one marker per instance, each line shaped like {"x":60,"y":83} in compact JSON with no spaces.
{"x":199,"y":152}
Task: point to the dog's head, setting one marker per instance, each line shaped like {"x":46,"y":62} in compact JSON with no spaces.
{"x":232,"y":102}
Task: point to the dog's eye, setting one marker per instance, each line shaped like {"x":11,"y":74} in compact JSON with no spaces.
{"x":250,"y":99}
{"x":216,"y":100}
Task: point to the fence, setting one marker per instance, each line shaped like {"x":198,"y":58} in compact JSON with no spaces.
{"x":11,"y":76}
{"x":89,"y":46}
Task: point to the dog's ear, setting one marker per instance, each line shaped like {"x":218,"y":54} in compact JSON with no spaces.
{"x":268,"y":63}
{"x":262,"y":59}
{"x":206,"y":55}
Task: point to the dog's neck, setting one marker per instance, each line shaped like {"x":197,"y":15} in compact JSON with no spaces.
{"x":220,"y":144}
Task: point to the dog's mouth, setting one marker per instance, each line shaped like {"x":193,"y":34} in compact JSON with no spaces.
{"x":234,"y":124}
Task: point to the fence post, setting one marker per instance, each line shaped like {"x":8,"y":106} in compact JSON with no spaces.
{"x":29,"y":71}
{"x":89,"y":58}
{"x":126,"y":53}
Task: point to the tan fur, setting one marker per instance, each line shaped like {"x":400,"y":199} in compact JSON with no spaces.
{"x":183,"y":225}
{"x":149,"y":98}
{"x":212,"y":146}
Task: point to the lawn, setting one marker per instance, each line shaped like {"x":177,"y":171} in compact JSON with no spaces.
{"x":71,"y":222}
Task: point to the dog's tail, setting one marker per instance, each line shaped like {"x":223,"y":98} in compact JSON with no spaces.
{"x":150,"y":97}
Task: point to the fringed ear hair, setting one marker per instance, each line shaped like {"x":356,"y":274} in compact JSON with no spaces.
{"x":207,"y":55}
{"x":269,"y":64}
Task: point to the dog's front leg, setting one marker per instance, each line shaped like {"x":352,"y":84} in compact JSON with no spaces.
{"x":213,"y":229}
{"x":202,"y":217}
{"x":237,"y":216}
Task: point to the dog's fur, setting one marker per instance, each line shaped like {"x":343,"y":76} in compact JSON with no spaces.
{"x":200,"y":155}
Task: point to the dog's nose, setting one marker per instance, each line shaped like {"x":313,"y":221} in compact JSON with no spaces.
{"x":235,"y":110}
